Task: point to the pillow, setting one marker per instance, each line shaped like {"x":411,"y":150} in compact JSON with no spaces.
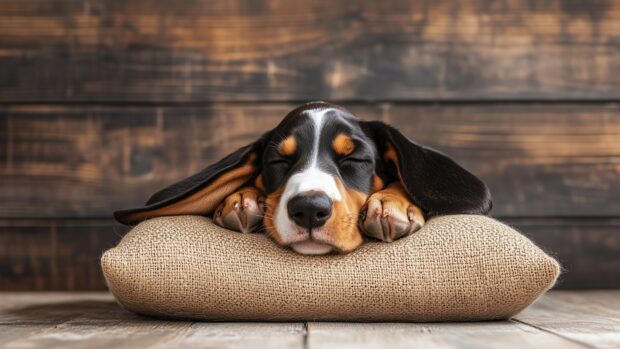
{"x":456,"y":268}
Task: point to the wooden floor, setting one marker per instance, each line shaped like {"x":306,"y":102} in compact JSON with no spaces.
{"x":562,"y":319}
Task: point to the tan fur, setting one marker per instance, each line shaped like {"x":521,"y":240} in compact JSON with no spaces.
{"x":395,"y":202}
{"x":395,"y":196}
{"x":342,"y":225}
{"x":391,"y":155}
{"x":288,"y":146}
{"x":259,"y":183}
{"x":204,"y":201}
{"x":271,"y":207}
{"x":343,"y":144}
{"x":394,"y":193}
{"x":252,"y":193}
{"x":377,"y":183}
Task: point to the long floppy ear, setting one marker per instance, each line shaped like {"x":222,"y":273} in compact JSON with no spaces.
{"x":201,"y":193}
{"x":434,"y":182}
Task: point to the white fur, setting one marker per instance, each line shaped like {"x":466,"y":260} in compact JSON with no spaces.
{"x":311,"y":247}
{"x":310,"y":178}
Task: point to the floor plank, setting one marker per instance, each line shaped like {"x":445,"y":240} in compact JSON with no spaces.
{"x":93,"y":320}
{"x":589,"y":317}
{"x":237,"y":335}
{"x":500,"y":334}
{"x":122,"y":334}
{"x":75,"y":320}
{"x":57,"y":307}
{"x":17,"y":331}
{"x":561,"y":319}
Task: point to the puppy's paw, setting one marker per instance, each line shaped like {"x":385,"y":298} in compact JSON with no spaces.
{"x":241,"y":211}
{"x":389,"y":215}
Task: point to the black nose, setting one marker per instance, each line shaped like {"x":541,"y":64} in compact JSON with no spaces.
{"x":310,"y":210}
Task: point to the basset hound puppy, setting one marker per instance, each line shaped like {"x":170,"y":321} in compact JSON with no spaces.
{"x":320,"y":181}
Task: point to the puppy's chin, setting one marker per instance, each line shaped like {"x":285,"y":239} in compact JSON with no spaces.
{"x":311,"y":247}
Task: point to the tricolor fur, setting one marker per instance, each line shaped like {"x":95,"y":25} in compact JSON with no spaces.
{"x":321,"y":180}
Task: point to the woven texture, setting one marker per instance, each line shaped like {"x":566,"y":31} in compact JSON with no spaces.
{"x":454,"y":268}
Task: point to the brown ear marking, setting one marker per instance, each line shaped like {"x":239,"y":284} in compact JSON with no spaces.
{"x":343,"y":144}
{"x":288,"y":146}
{"x":258,"y":183}
{"x":377,"y":184}
{"x":391,"y":155}
{"x":205,"y":200}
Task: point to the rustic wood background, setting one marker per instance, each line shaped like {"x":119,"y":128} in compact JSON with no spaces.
{"x":104,"y":102}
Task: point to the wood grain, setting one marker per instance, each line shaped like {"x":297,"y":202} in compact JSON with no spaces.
{"x":587,"y":249}
{"x":96,"y":335}
{"x":96,"y":50}
{"x":55,"y":254}
{"x":498,"y":334}
{"x":94,"y":320}
{"x":25,"y":309}
{"x":579,"y":316}
{"x":237,"y":335}
{"x":63,"y":254}
{"x":78,"y":320}
{"x":87,"y":161}
{"x":560,"y":319}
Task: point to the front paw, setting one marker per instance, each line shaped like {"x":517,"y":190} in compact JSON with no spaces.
{"x":388,"y":217}
{"x":241,"y":211}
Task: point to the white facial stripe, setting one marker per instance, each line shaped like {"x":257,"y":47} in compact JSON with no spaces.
{"x":311,"y":178}
{"x":317,"y":120}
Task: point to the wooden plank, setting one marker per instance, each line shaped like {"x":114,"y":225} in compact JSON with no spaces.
{"x":93,"y":320}
{"x":500,"y":334}
{"x":14,"y":332}
{"x":43,"y":309}
{"x":54,"y":255}
{"x":560,"y":319}
{"x":237,"y":335}
{"x":579,"y":316}
{"x":29,"y":314}
{"x":64,"y":254}
{"x":96,"y":50}
{"x":87,"y":161}
{"x":76,"y":320}
{"x":122,"y":334}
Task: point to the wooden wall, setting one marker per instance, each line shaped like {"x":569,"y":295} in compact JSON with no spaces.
{"x":104,"y":102}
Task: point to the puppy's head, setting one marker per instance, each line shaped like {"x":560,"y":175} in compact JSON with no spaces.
{"x":317,"y":172}
{"x":317,"y":168}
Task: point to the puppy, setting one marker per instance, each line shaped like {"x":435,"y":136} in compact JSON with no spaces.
{"x":320,"y":180}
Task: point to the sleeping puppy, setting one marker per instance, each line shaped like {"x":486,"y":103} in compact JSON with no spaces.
{"x":320,"y":180}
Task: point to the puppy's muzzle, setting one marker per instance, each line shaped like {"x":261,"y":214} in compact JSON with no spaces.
{"x":310,"y":210}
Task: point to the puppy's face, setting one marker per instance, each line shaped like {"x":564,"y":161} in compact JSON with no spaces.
{"x":317,"y":174}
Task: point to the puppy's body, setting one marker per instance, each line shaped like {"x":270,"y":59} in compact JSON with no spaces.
{"x":320,"y":180}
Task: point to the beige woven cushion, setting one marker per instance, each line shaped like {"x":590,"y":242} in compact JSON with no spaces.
{"x":454,"y":268}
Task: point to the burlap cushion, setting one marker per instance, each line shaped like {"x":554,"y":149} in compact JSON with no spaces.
{"x":454,"y":268}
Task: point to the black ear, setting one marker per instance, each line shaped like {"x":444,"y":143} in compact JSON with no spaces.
{"x":434,"y":182}
{"x":201,"y":193}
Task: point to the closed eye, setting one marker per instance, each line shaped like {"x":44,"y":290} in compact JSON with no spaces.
{"x":354,"y":161}
{"x":279,"y":162}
